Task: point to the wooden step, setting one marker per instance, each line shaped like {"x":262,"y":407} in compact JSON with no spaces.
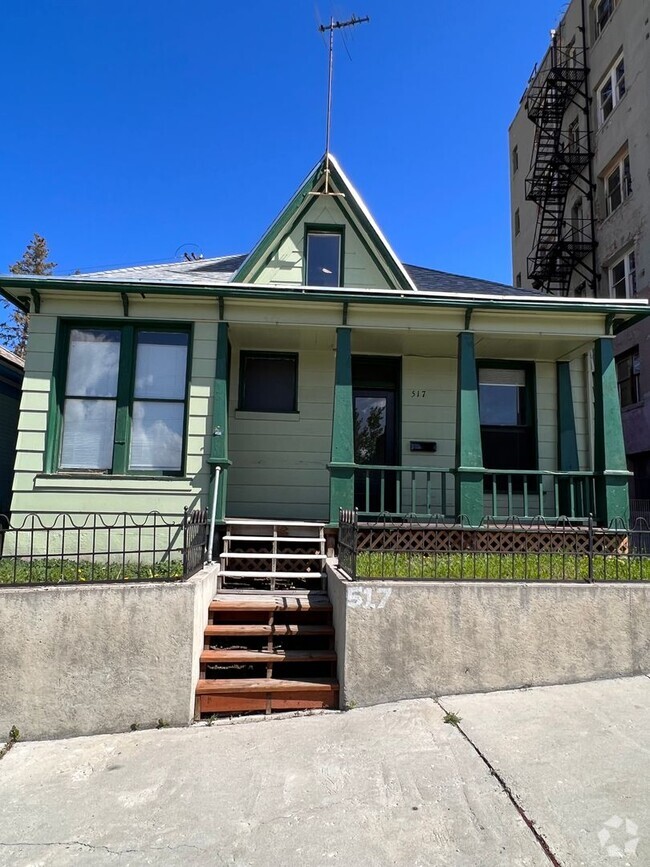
{"x":264,"y":685}
{"x":313,"y":602}
{"x":314,"y":540}
{"x":264,"y":656}
{"x":244,"y":573}
{"x":267,"y":555}
{"x":242,"y":629}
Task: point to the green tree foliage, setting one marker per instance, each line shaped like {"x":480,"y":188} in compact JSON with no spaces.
{"x":13,"y":332}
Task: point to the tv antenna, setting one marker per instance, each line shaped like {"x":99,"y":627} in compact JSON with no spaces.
{"x":325,"y":28}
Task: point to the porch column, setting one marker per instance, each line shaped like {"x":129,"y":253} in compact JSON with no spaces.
{"x":469,"y":454}
{"x":612,"y":498}
{"x":342,"y":448}
{"x":219,"y":438}
{"x":567,"y":440}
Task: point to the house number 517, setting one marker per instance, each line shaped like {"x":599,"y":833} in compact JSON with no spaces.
{"x":418,"y":392}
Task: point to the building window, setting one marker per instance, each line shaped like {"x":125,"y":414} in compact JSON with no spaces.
{"x":603,"y":12}
{"x":581,"y":290}
{"x":323,"y":256}
{"x":628,"y":370}
{"x":517,"y":222}
{"x":573,"y":136}
{"x":577,"y":221}
{"x":123,"y":405}
{"x":518,"y":280}
{"x":268,"y":382}
{"x":515,"y":159}
{"x":506,"y":410}
{"x":622,"y":277}
{"x":611,"y":91}
{"x":618,"y":185}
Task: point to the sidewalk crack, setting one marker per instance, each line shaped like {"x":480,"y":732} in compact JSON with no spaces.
{"x":539,"y":837}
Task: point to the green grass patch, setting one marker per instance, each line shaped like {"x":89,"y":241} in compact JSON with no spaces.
{"x":57,"y":571}
{"x":501,"y":567}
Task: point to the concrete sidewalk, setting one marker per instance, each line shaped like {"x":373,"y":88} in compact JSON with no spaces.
{"x":391,"y":785}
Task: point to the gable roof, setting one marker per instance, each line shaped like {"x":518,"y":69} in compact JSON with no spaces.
{"x":327,"y":173}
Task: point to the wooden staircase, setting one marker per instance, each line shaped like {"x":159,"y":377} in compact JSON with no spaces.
{"x":265,"y":653}
{"x":269,"y":641}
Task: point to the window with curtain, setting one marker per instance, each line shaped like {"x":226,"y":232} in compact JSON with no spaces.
{"x":124,"y":402}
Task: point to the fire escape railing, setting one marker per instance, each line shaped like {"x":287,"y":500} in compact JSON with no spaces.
{"x":561,"y":161}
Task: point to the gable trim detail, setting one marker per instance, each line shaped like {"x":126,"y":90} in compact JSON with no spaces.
{"x":353,"y":209}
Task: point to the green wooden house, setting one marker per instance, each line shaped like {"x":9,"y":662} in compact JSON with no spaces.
{"x":318,"y":372}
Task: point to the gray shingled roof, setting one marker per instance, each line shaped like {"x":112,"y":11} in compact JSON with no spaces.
{"x":216,"y":272}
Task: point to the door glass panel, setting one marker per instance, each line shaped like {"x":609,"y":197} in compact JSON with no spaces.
{"x":370,"y":430}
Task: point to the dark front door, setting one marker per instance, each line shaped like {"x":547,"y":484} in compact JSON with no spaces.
{"x":376,"y":432}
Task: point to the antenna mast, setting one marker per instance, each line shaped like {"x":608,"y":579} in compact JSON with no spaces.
{"x":331,"y":27}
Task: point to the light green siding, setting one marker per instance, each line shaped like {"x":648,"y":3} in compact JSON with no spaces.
{"x":279,"y":462}
{"x":286,"y":264}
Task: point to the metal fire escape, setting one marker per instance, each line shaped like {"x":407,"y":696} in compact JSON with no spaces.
{"x":561,"y":161}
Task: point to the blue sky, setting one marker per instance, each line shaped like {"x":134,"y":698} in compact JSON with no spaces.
{"x":133,"y":127}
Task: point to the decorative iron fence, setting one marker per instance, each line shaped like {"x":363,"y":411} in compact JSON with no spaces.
{"x":65,"y":548}
{"x":511,"y":550}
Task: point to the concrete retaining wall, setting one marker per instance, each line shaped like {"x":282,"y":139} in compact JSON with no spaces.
{"x":81,"y":660}
{"x":406,"y":639}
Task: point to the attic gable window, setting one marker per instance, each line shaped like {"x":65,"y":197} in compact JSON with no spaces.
{"x":323,"y":257}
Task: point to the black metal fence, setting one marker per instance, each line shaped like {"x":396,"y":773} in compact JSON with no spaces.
{"x":65,"y":548}
{"x":511,"y":550}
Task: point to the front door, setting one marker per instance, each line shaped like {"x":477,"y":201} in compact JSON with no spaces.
{"x":376,"y":432}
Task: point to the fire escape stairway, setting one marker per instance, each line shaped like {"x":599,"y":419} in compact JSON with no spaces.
{"x":557,"y":164}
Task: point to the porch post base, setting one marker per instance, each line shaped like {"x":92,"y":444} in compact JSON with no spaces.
{"x":469,"y":495}
{"x":341,"y":491}
{"x":612,"y":500}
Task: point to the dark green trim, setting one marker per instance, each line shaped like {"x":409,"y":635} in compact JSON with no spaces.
{"x":220,"y":434}
{"x":124,"y":398}
{"x":469,"y":453}
{"x":342,"y":444}
{"x":567,"y":438}
{"x":17,"y":302}
{"x":323,"y":229}
{"x":610,"y":465}
{"x":260,"y":353}
{"x":253,"y":259}
{"x":389,"y":298}
{"x":36,"y":299}
{"x":55,"y":407}
{"x":265,"y":261}
{"x":125,"y":303}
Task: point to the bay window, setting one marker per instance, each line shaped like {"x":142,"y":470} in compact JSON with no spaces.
{"x":122,"y":402}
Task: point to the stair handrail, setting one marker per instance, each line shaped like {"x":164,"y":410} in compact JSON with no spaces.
{"x":213,"y":514}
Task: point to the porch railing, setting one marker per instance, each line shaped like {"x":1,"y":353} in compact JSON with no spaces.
{"x":430,"y":491}
{"x":81,"y":548}
{"x":404,"y":490}
{"x":531,"y":494}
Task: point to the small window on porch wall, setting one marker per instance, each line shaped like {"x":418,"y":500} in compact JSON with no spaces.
{"x":507,"y":418}
{"x":323,"y":255}
{"x":268,"y":382}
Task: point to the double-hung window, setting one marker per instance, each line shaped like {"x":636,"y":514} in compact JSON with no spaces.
{"x":612,"y":90}
{"x":618,"y":185}
{"x":603,"y":12}
{"x":506,"y":408}
{"x":622,"y":277}
{"x":122,"y":403}
{"x":628,"y":374}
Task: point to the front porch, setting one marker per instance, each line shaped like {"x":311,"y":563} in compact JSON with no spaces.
{"x":431,"y":450}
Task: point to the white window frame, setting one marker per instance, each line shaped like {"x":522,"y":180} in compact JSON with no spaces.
{"x":621,"y":176}
{"x":617,"y":84}
{"x":598,"y":28}
{"x":628,"y":260}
